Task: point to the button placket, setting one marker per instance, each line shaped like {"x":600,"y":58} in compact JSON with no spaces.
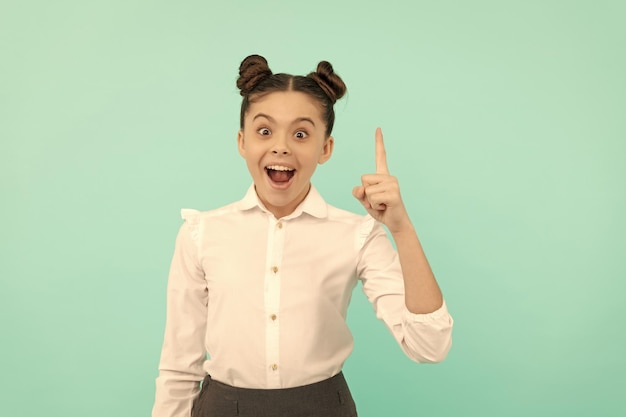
{"x":272,"y":300}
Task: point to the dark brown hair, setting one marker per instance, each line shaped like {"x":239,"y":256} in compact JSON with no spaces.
{"x":256,"y":79}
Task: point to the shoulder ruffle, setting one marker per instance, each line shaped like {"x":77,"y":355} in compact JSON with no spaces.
{"x":367,"y":225}
{"x":192,"y":218}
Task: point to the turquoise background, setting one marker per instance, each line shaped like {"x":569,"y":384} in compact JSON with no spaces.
{"x":505,"y":122}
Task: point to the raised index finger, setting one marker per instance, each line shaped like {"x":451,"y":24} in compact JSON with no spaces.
{"x":381,"y":155}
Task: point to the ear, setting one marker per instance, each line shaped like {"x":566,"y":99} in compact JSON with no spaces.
{"x":240,"y":143}
{"x":327,"y":150}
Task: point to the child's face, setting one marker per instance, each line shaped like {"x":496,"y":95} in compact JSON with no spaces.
{"x":282,"y":140}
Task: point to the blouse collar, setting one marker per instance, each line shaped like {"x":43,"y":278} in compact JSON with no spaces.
{"x":312,"y":204}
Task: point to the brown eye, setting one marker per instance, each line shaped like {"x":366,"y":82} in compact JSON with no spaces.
{"x":264,"y":131}
{"x":301,"y":134}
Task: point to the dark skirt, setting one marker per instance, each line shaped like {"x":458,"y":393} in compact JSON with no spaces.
{"x":328,"y":398}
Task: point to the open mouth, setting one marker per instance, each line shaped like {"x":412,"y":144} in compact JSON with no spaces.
{"x":280,"y":174}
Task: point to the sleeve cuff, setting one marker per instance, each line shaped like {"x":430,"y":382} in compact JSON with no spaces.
{"x":425,"y":317}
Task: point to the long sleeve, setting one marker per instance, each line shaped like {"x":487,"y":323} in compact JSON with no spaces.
{"x":423,"y":337}
{"x":183,"y":353}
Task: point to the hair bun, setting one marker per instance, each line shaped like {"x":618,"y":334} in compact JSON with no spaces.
{"x":252,"y":71}
{"x":330,"y":82}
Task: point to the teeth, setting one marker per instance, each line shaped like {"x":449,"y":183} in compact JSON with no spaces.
{"x":279,"y":168}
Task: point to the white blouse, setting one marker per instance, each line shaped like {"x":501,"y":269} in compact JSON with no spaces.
{"x":260,"y":302}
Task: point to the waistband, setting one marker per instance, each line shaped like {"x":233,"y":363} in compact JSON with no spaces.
{"x":337,"y":381}
{"x":330,"y":397}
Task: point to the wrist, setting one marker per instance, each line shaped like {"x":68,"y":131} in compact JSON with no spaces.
{"x":404,"y":228}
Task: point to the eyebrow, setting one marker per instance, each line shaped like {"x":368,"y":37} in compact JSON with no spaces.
{"x":271,"y":119}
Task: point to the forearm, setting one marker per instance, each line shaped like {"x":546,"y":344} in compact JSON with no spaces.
{"x":422,"y":293}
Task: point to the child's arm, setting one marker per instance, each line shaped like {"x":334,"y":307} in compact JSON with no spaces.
{"x":380,"y":195}
{"x":183,"y":352}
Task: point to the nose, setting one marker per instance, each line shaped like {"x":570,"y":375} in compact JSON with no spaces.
{"x":280,"y":147}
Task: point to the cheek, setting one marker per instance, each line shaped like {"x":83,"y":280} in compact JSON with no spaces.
{"x":312,"y":162}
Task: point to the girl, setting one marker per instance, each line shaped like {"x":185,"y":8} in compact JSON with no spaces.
{"x":263,"y":285}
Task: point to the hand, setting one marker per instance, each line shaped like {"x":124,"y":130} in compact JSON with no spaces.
{"x":379,"y":193}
